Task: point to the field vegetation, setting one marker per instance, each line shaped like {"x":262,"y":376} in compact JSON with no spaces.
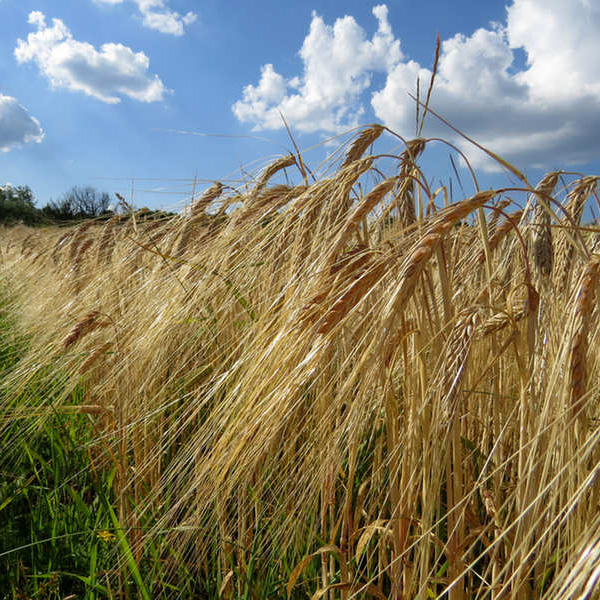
{"x":345,"y":384}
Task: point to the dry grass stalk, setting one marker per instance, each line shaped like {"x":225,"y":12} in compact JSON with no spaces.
{"x":404,"y":195}
{"x":87,"y":324}
{"x":273,"y":168}
{"x":496,"y":213}
{"x":579,"y":579}
{"x":81,"y":250}
{"x":341,"y":202}
{"x":361,"y":144}
{"x":94,"y":356}
{"x":405,"y":202}
{"x":499,"y":233}
{"x":416,"y":261}
{"x":543,"y":255}
{"x":517,"y":310}
{"x":107,"y":240}
{"x":78,"y":238}
{"x":210,"y":195}
{"x":361,"y":276}
{"x":576,"y":200}
{"x":27,"y":244}
{"x":454,"y":366}
{"x":191,"y":229}
{"x":371,"y":200}
{"x":265,"y":203}
{"x":578,"y":196}
{"x":584,"y":305}
{"x":59,"y":245}
{"x":76,"y":270}
{"x":198,"y":224}
{"x":38,"y":256}
{"x":447,"y":218}
{"x":149,"y":243}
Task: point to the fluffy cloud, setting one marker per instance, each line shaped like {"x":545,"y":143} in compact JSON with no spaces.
{"x":545,"y":113}
{"x":156,"y":15}
{"x":113,"y":71}
{"x":17,"y":126}
{"x":339,"y":62}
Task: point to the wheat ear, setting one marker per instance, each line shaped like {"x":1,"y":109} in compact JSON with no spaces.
{"x":584,"y":304}
{"x":84,"y":326}
{"x":574,"y":208}
{"x":543,"y":255}
{"x":360,"y":145}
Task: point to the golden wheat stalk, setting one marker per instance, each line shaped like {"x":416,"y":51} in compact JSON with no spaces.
{"x":95,"y":355}
{"x":209,"y":196}
{"x":405,"y":199}
{"x":584,"y":305}
{"x":543,"y":254}
{"x":361,"y":144}
{"x":576,"y":200}
{"x":78,"y":238}
{"x":274,"y":168}
{"x":517,"y":310}
{"x":87,"y":324}
{"x":497,"y":210}
{"x":369,"y":202}
{"x":107,"y":241}
{"x":498,"y":234}
{"x":454,"y":365}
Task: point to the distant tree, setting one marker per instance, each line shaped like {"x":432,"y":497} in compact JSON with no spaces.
{"x":79,"y":203}
{"x":24,"y":195}
{"x":59,"y":209}
{"x":17,"y":205}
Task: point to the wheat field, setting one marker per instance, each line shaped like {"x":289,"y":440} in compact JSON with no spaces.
{"x":347,"y":385}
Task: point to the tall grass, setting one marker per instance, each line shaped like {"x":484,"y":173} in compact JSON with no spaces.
{"x":348,"y":386}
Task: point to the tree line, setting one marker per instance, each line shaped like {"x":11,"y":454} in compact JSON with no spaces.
{"x":17,"y":205}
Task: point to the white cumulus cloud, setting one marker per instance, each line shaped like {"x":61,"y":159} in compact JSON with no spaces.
{"x":544,"y":113}
{"x":106,"y":74}
{"x":17,"y":126}
{"x":339,"y":61}
{"x":156,"y":15}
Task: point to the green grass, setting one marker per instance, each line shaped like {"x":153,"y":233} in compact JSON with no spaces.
{"x":50,"y":509}
{"x":60,"y":535}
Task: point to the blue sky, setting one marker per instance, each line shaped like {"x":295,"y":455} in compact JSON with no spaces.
{"x":106,"y":92}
